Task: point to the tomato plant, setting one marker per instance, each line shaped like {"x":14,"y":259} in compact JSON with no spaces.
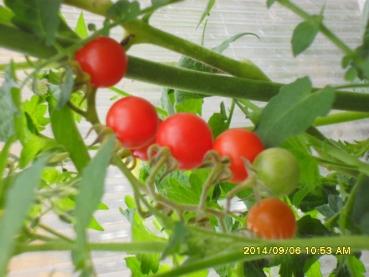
{"x":187,"y":136}
{"x":272,"y":219}
{"x":238,"y":145}
{"x":185,"y":214}
{"x":104,"y":60}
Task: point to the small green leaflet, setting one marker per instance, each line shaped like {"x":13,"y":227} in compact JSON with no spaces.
{"x":206,"y":12}
{"x":8,"y":109}
{"x":81,"y":27}
{"x":66,"y":87}
{"x":39,"y":16}
{"x":359,"y":214}
{"x":66,"y":133}
{"x":4,"y":153}
{"x":124,"y":10}
{"x":304,"y":34}
{"x":314,"y":270}
{"x":19,"y":200}
{"x":218,"y":122}
{"x":91,"y":189}
{"x":292,"y":111}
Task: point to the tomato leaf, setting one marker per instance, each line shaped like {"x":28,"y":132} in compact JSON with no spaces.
{"x":66,"y":133}
{"x":8,"y":109}
{"x":304,"y":34}
{"x":148,"y":263}
{"x":3,"y":158}
{"x":180,"y":187}
{"x":314,"y":270}
{"x":206,"y":12}
{"x":66,"y":87}
{"x":19,"y":200}
{"x":292,"y":111}
{"x":308,"y":165}
{"x":124,"y":10}
{"x":359,"y":213}
{"x":35,"y":110}
{"x":176,"y":239}
{"x":33,"y":146}
{"x":81,"y":27}
{"x":39,"y":16}
{"x":91,"y":189}
{"x":218,"y":122}
{"x":6,"y":15}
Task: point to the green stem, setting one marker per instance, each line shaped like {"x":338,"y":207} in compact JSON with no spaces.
{"x":363,"y":85}
{"x":323,"y":28}
{"x":18,"y":65}
{"x":340,"y":118}
{"x":208,"y":262}
{"x":54,"y":232}
{"x":220,"y":85}
{"x":133,"y":247}
{"x":15,"y":39}
{"x":145,"y":33}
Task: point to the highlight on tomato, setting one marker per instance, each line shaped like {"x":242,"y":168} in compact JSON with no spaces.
{"x":104,"y":60}
{"x":188,"y":138}
{"x":272,"y":219}
{"x":134,"y":121}
{"x":238,"y":144}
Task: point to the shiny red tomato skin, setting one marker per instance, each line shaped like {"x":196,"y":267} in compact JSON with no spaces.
{"x":238,"y":144}
{"x":104,"y":60}
{"x":187,"y":136}
{"x":134,"y":121}
{"x":272,"y":219}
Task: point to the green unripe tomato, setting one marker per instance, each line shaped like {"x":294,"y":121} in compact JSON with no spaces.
{"x":278,"y":169}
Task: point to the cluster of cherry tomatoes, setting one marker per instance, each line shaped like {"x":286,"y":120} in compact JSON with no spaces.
{"x":188,"y":137}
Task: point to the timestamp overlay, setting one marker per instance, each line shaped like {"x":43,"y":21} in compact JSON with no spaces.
{"x":297,"y":250}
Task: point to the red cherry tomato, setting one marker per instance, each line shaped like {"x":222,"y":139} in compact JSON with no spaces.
{"x":134,"y":121}
{"x":272,"y":219}
{"x":104,"y":60}
{"x":238,"y":144}
{"x":187,"y":136}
